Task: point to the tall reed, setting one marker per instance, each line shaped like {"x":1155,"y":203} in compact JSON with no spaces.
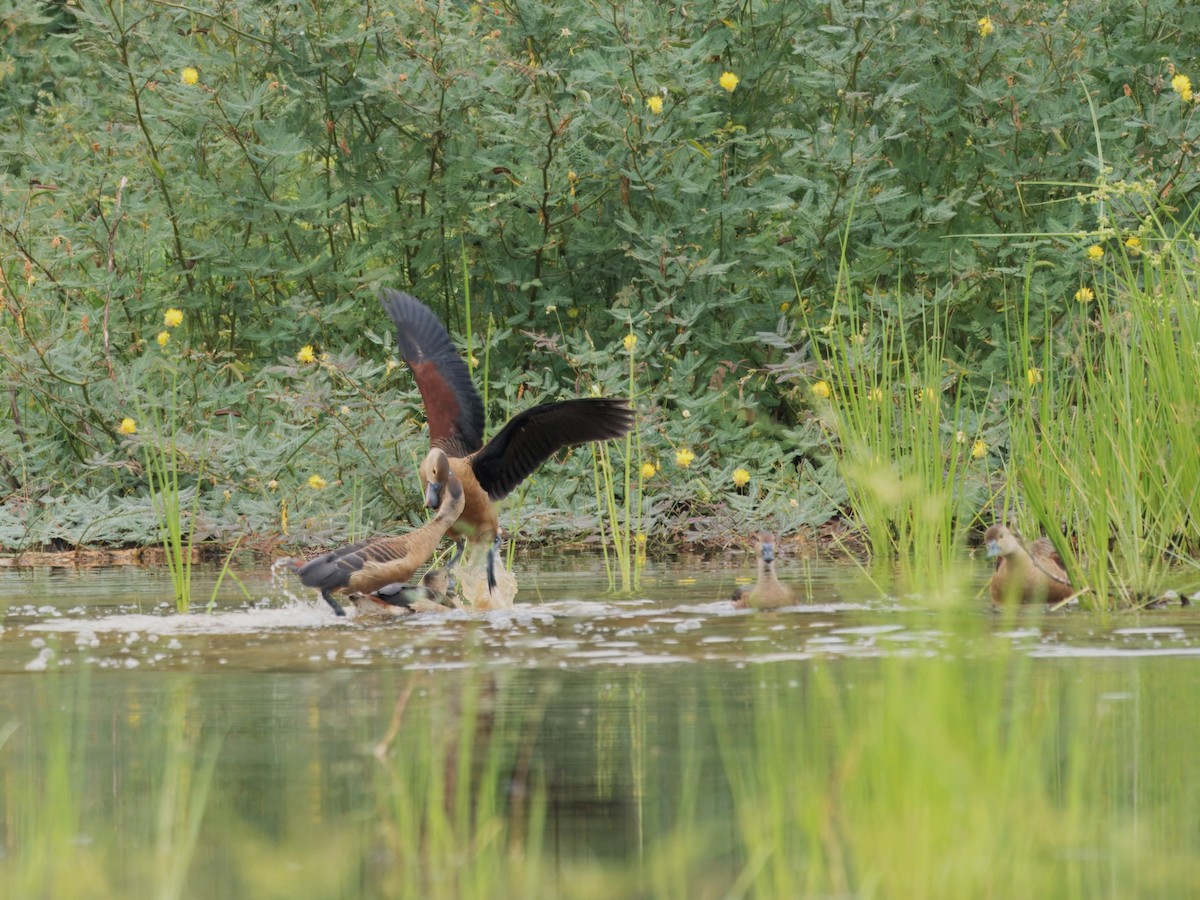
{"x":161,"y":456}
{"x":1105,"y":449}
{"x":619,"y":495}
{"x":909,"y":460}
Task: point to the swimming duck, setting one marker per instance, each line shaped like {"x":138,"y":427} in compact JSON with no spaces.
{"x":401,"y":598}
{"x":366,"y":566}
{"x":1036,"y":575}
{"x":769,"y":592}
{"x":454,"y":410}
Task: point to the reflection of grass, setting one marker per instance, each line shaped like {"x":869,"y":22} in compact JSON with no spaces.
{"x":462,"y":811}
{"x":65,"y":839}
{"x":908,"y":776}
{"x":948,"y":777}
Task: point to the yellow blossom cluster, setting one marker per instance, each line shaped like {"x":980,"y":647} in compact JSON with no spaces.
{"x":1182,"y":85}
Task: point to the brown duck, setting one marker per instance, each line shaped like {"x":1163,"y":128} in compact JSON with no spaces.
{"x":769,"y":592}
{"x":454,"y":410}
{"x":366,"y":566}
{"x":1036,"y":575}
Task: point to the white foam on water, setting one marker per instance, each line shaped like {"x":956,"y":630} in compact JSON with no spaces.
{"x":248,"y":621}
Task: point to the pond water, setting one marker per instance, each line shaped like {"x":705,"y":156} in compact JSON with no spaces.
{"x":584,"y":746}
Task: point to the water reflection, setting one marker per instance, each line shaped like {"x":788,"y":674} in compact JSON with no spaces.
{"x":584,"y":746}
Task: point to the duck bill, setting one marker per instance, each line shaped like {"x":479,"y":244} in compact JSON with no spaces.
{"x":433,"y":495}
{"x":993,"y":549}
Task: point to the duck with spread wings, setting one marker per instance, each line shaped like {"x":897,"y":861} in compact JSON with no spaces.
{"x":488,"y":472}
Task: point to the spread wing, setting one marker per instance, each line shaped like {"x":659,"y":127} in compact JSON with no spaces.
{"x":533,"y":436}
{"x":452,"y":405}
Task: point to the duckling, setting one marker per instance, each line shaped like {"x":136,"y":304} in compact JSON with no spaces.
{"x":366,"y":566}
{"x":488,"y":472}
{"x":402,"y":598}
{"x":1036,"y":575}
{"x":769,"y":592}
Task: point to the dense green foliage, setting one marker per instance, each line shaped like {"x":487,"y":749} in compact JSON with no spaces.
{"x":584,"y":171}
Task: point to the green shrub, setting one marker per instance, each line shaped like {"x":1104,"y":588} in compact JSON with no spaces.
{"x":586,"y":170}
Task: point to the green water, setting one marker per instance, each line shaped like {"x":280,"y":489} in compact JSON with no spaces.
{"x":580,"y":746}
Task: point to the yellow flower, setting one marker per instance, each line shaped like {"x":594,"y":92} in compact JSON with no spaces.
{"x":985,"y":27}
{"x":654,"y":104}
{"x":876,"y":394}
{"x":127,"y":426}
{"x":1133,"y":245}
{"x":630,"y":342}
{"x":821,"y":390}
{"x":648,"y":470}
{"x":684,"y":457}
{"x":316,"y":482}
{"x":640,"y":537}
{"x":729,"y":81}
{"x":784,"y":306}
{"x":979,"y":449}
{"x":1095,"y":253}
{"x":189,"y":75}
{"x":1182,"y":85}
{"x":305,"y":354}
{"x":173,"y":317}
{"x":1033,"y":376}
{"x":163,"y":337}
{"x":740,"y":477}
{"x":1085,"y":295}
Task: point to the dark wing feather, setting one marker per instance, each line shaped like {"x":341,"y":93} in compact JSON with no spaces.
{"x":533,"y":436}
{"x":452,"y":405}
{"x":334,"y":569}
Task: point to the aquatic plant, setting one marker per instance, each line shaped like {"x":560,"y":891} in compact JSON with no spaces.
{"x":1104,"y":453}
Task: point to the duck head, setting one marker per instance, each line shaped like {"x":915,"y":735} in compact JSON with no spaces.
{"x":1000,"y":541}
{"x":435,"y":471}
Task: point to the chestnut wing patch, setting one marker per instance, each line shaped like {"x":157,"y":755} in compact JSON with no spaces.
{"x":453,"y":407}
